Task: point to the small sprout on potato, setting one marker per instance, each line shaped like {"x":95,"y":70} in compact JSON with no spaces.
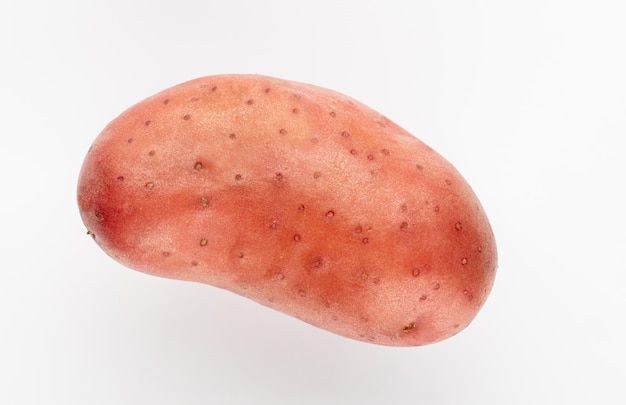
{"x":198,"y":166}
{"x":330,"y":214}
{"x":409,"y":328}
{"x":278,"y":177}
{"x":280,"y":276}
{"x":297,"y":237}
{"x":205,"y":201}
{"x":120,"y":179}
{"x":238,"y":177}
{"x":203,"y":242}
{"x":149,"y":185}
{"x":464,"y":261}
{"x":416,"y":272}
{"x":404,"y":226}
{"x":240,"y":255}
{"x":458,"y":226}
{"x":364,"y":276}
{"x":93,"y":235}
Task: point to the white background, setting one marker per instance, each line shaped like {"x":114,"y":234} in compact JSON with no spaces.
{"x":526,"y":98}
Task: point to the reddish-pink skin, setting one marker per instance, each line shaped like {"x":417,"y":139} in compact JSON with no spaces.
{"x":297,"y":197}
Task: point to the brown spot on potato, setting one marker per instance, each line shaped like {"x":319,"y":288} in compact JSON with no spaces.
{"x":238,"y":177}
{"x":354,"y":152}
{"x":416,"y":272}
{"x":458,"y":226}
{"x":282,"y":131}
{"x":295,"y":111}
{"x":166,"y":101}
{"x":203,"y":242}
{"x":186,"y":117}
{"x":296,"y":237}
{"x":147,"y":123}
{"x":120,"y":179}
{"x":330,"y":214}
{"x":345,"y":134}
{"x":151,"y":153}
{"x":149,"y":185}
{"x":250,"y":101}
{"x":205,"y":201}
{"x":232,"y":136}
{"x":409,"y":328}
{"x":278,"y":177}
{"x":317,"y":175}
{"x":404,"y":226}
{"x":365,"y":241}
{"x":198,"y":166}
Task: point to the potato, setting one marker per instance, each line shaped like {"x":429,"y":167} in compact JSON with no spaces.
{"x":297,"y":197}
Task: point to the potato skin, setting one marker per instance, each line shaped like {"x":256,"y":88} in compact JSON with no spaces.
{"x":297,"y":197}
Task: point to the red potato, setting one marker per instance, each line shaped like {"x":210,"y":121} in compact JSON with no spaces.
{"x":297,"y":197}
